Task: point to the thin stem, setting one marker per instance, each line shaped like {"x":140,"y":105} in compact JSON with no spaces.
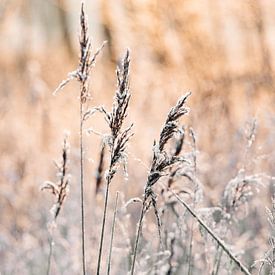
{"x":50,"y":254}
{"x":112,"y":236}
{"x":190,"y":264}
{"x":171,"y":268}
{"x":190,"y":261}
{"x":138,"y":235}
{"x":218,"y":261}
{"x":82,"y":190}
{"x":273,"y":261}
{"x":213,"y":235}
{"x":103,"y":226}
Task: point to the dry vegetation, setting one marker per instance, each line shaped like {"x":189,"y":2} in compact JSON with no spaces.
{"x":152,"y":179}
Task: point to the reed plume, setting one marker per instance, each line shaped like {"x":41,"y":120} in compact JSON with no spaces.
{"x":82,"y":75}
{"x":162,"y":161}
{"x":118,"y":138}
{"x":60,"y":190}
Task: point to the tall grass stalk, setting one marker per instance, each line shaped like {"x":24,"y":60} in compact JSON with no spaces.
{"x":161,"y":164}
{"x":118,"y":138}
{"x":82,"y":75}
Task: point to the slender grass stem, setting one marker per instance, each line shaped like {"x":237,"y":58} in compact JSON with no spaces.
{"x":112,"y":236}
{"x":190,"y":262}
{"x":82,"y":191}
{"x":218,"y":261}
{"x":50,"y":255}
{"x":104,"y":219}
{"x":103,"y":227}
{"x":138,"y":235}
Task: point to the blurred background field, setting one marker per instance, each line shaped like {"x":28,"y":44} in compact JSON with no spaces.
{"x":222,"y":51}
